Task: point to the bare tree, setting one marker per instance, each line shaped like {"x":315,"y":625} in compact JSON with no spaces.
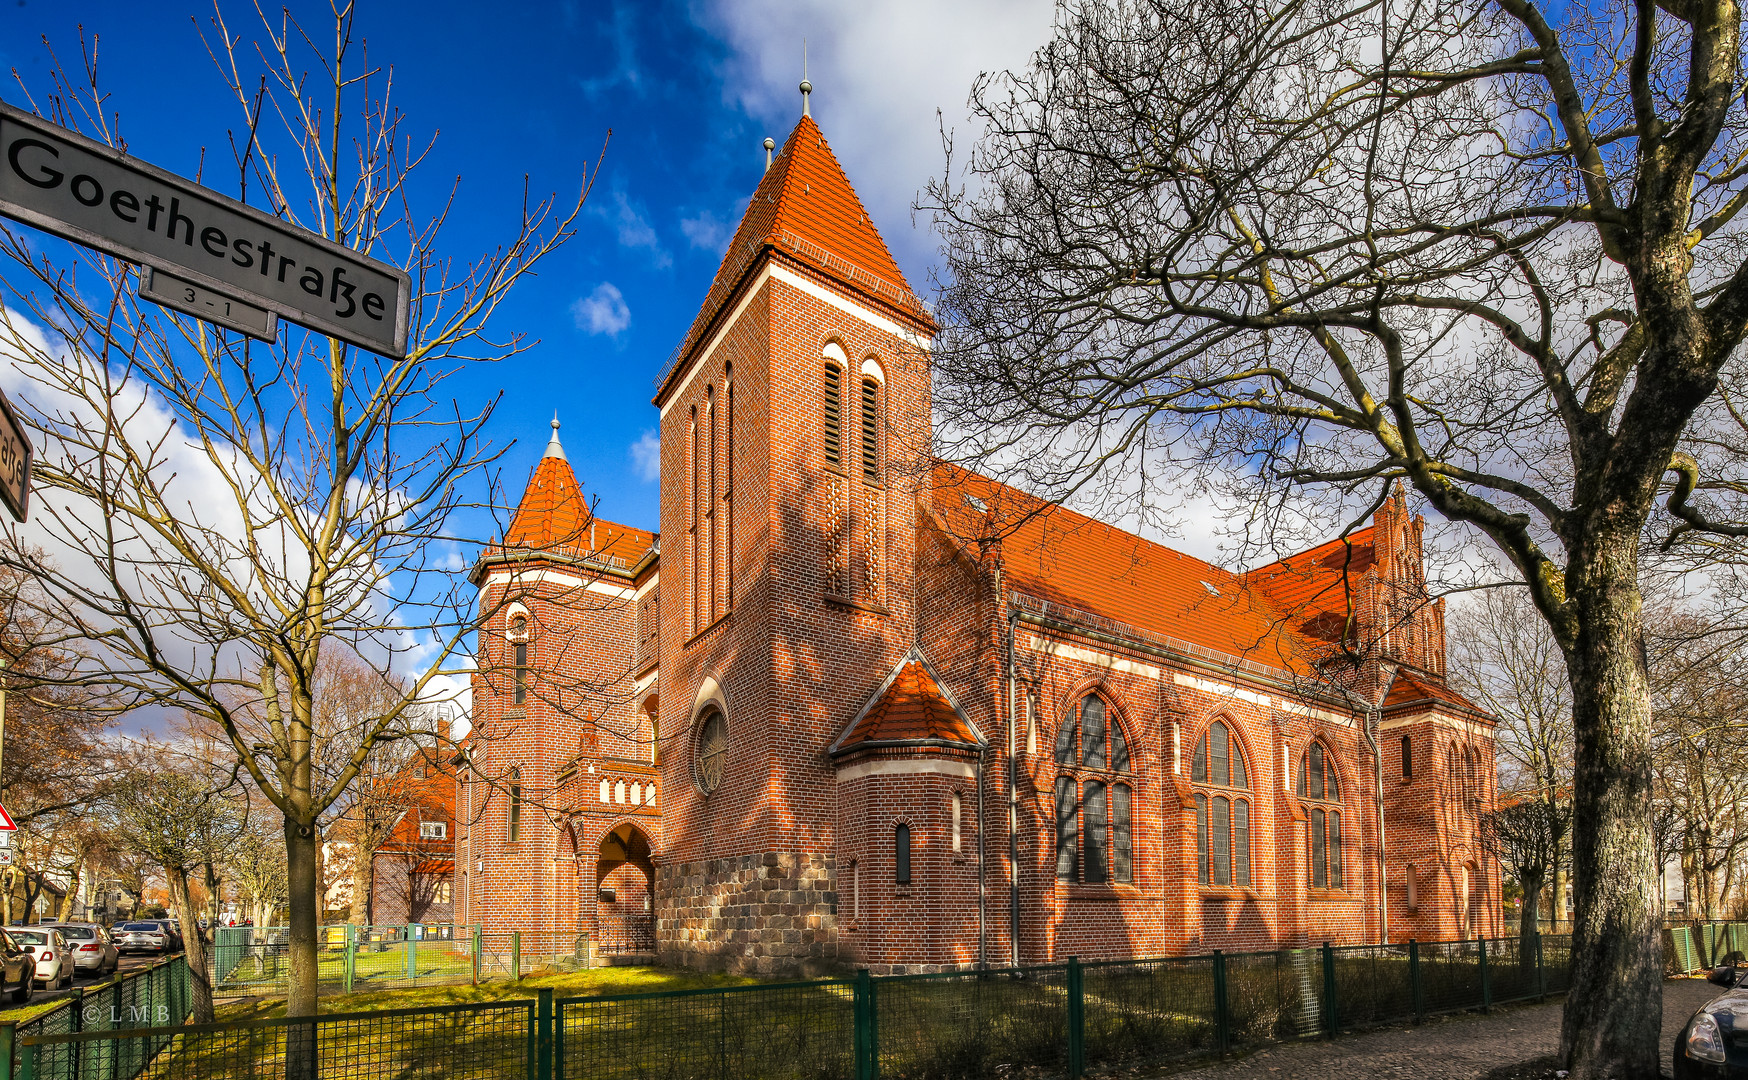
{"x":1301,"y":249}
{"x":1503,"y":656}
{"x":227,"y":512}
{"x":181,"y":815}
{"x":1527,"y":835}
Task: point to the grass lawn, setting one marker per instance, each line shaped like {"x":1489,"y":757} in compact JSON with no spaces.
{"x":592,"y":983}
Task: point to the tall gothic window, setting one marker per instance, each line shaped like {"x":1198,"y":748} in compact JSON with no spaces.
{"x":870,"y":430}
{"x":1222,"y":815}
{"x":696,"y":624}
{"x":519,"y":660}
{"x":515,"y":831}
{"x":901,"y":854}
{"x":832,"y":413}
{"x":728,"y":493}
{"x":1317,"y":785}
{"x":1094,"y":842}
{"x":710,"y":524}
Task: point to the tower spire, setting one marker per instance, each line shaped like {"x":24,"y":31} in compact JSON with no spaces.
{"x":806,"y":87}
{"x":554,"y":448}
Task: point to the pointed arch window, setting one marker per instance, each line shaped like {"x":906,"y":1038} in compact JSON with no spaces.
{"x":1093,"y":828}
{"x":514,"y":833}
{"x":519,"y":660}
{"x":1219,"y":759}
{"x":1222,"y":816}
{"x":832,"y":414}
{"x":870,"y":429}
{"x":1318,"y":785}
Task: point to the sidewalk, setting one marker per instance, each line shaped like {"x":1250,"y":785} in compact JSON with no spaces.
{"x":1462,"y":1047}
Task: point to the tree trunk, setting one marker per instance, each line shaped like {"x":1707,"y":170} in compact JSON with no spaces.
{"x":1529,"y":924}
{"x":1614,"y":1011}
{"x":362,"y":857}
{"x":303,"y":876}
{"x":194,"y":946}
{"x":1558,"y":899}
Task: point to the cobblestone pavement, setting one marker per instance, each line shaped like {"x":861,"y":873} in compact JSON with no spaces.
{"x":1460,"y":1047}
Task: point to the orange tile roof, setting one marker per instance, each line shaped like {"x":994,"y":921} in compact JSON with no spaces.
{"x":910,"y":708}
{"x":555,"y":514}
{"x":805,"y":195}
{"x":1067,"y":558}
{"x":1323,"y":580}
{"x":1412,"y":687}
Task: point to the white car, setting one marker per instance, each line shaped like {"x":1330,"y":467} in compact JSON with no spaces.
{"x":54,"y":961}
{"x":91,"y":948}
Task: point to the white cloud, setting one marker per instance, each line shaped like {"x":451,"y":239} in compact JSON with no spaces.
{"x":602,"y":311}
{"x":707,"y":232}
{"x":646,"y":457}
{"x":879,"y":72}
{"x":634,"y":229}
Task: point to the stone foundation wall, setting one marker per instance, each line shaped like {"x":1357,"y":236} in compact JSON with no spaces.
{"x":769,"y":914}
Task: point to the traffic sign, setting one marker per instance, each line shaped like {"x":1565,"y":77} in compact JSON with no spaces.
{"x":76,"y":188}
{"x":6,"y":824}
{"x":193,"y":298}
{"x":15,"y":458}
{"x":5,"y":856}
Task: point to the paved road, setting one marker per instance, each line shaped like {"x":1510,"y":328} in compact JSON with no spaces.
{"x":1462,"y":1047}
{"x":128,"y":963}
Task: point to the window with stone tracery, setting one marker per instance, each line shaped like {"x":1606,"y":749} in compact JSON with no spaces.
{"x":1319,"y":787}
{"x":1223,"y":813}
{"x":1094,"y":800}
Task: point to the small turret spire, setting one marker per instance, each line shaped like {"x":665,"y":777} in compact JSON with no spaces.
{"x":553,"y":447}
{"x":770,"y":145}
{"x":806,"y":87}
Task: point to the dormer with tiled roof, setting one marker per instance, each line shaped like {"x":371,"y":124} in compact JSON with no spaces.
{"x":806,"y":214}
{"x":911,"y":710}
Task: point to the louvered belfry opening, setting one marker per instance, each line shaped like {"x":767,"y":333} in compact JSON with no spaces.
{"x":834,"y":415}
{"x":871,"y":431}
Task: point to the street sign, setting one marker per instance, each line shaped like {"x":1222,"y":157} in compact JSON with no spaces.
{"x":6,"y":824}
{"x":193,"y":298}
{"x":5,"y":856}
{"x":15,"y":458}
{"x":65,"y":184}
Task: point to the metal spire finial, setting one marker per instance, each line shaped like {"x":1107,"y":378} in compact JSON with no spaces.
{"x":553,"y":447}
{"x":770,"y":145}
{"x":806,"y":87}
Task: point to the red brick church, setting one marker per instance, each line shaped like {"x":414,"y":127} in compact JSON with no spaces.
{"x":855,"y":707}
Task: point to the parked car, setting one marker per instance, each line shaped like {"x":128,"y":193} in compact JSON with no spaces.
{"x":91,"y":948}
{"x":17,"y":969}
{"x":142,"y":936}
{"x":1713,"y":1045}
{"x":54,"y":962}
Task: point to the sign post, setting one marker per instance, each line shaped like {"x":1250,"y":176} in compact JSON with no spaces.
{"x":81,"y":190}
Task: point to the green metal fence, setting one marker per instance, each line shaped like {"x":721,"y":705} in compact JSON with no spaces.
{"x":152,"y":1000}
{"x":1700,"y":946}
{"x":250,"y":960}
{"x":1052,"y":1020}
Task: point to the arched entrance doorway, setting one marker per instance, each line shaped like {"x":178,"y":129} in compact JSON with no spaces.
{"x":625,"y":893}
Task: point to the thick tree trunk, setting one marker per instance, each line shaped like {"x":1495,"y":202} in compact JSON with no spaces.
{"x":1529,"y":923}
{"x":194,"y":946}
{"x":1613,"y":1014}
{"x":303,"y":876}
{"x":362,"y":856}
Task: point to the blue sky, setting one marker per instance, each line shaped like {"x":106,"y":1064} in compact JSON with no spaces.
{"x":689,"y":91}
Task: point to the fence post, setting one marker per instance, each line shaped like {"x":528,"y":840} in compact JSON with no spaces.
{"x":476,"y":954}
{"x":1486,"y":982}
{"x":1076,"y":1020}
{"x":545,"y":1033}
{"x":516,"y":955}
{"x":1331,"y":1018}
{"x":351,"y":955}
{"x":1541,"y":972}
{"x":863,"y":997}
{"x":8,"y":1039}
{"x":1222,"y":1019}
{"x":27,"y":1063}
{"x":1415,"y":991}
{"x":412,"y":952}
